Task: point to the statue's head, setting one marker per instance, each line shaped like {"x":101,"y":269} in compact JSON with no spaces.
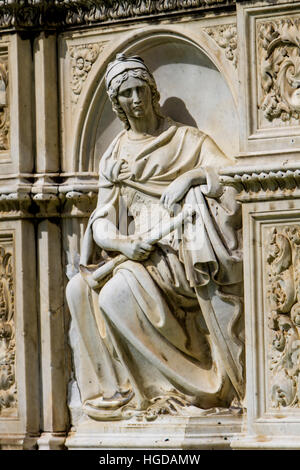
{"x":121,"y":70}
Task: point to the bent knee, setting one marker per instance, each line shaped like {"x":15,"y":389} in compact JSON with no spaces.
{"x":75,"y":290}
{"x":114,"y":293}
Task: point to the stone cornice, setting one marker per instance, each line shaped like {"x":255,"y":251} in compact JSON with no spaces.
{"x":56,"y":196}
{"x":21,"y":205}
{"x":53,"y":14}
{"x":263,"y":184}
{"x":75,"y":195}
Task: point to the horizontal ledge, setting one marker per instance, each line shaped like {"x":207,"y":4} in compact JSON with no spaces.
{"x":249,"y":181}
{"x":266,"y":442}
{"x":237,"y":169}
{"x":73,"y":13}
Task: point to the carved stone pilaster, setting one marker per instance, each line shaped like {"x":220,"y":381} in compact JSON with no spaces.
{"x":226,"y":38}
{"x":4,"y":105}
{"x":8,"y":387}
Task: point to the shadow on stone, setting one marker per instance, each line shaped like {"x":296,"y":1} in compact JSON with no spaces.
{"x":177,"y":110}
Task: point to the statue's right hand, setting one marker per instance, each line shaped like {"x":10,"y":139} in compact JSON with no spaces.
{"x":117,"y":171}
{"x":136,"y":249}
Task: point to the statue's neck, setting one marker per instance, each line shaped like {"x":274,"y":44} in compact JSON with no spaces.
{"x":147,"y":125}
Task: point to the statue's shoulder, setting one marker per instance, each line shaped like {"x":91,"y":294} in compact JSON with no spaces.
{"x":110,"y":150}
{"x":189,"y":131}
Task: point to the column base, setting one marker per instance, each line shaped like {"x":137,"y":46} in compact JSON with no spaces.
{"x":18,"y":442}
{"x":52,"y":441}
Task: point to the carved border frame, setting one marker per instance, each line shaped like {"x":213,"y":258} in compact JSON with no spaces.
{"x":257,"y":142}
{"x":22,"y":430}
{"x":20,"y":156}
{"x":5,"y":111}
{"x":262,"y":420}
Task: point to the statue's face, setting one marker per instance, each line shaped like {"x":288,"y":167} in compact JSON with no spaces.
{"x":80,"y":63}
{"x":135,"y":98}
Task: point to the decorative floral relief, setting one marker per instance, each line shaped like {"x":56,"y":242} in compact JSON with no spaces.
{"x":8,"y":392}
{"x":279,"y":53}
{"x":35,"y":13}
{"x":82,"y":60}
{"x":226,"y":37}
{"x":4,"y":111}
{"x":283,"y":296}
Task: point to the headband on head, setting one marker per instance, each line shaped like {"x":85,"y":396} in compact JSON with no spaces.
{"x":121,"y":65}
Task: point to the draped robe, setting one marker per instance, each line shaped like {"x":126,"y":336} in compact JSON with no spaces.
{"x":141,"y":337}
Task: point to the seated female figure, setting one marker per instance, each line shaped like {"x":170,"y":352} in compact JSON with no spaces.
{"x":143,"y":345}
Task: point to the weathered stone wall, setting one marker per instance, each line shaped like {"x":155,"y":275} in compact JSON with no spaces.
{"x":229,"y":68}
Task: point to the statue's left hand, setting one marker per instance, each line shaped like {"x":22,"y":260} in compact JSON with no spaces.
{"x":175,"y":191}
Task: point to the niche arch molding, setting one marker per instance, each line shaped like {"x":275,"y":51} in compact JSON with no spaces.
{"x":92,"y":101}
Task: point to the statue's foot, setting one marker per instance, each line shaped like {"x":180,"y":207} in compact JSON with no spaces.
{"x":118,"y":400}
{"x":102,"y":414}
{"x":171,"y":404}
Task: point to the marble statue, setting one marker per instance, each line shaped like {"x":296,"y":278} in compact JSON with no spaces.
{"x":160,"y":267}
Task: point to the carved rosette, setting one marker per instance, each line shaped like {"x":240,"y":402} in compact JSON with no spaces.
{"x":279,"y":56}
{"x":8,"y":391}
{"x":4,"y":110}
{"x":226,"y":38}
{"x":82,"y":60}
{"x":283,"y":302}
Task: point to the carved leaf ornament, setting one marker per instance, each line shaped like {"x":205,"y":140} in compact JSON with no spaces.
{"x":4,"y":111}
{"x":283,"y":296}
{"x":226,"y":38}
{"x":82,"y":60}
{"x":280,"y":68}
{"x":41,"y":13}
{"x":7,"y":333}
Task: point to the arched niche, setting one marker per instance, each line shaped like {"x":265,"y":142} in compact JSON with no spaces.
{"x":192,"y":88}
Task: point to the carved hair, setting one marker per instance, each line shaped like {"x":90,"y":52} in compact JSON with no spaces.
{"x":114,"y":87}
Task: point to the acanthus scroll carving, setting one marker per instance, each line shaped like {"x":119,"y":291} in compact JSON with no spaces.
{"x":8,"y":392}
{"x":82,"y":60}
{"x":283,"y":295}
{"x":278,"y":43}
{"x":4,"y":110}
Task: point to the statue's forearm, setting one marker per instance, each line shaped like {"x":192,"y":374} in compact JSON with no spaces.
{"x":192,"y":178}
{"x":197,"y":176}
